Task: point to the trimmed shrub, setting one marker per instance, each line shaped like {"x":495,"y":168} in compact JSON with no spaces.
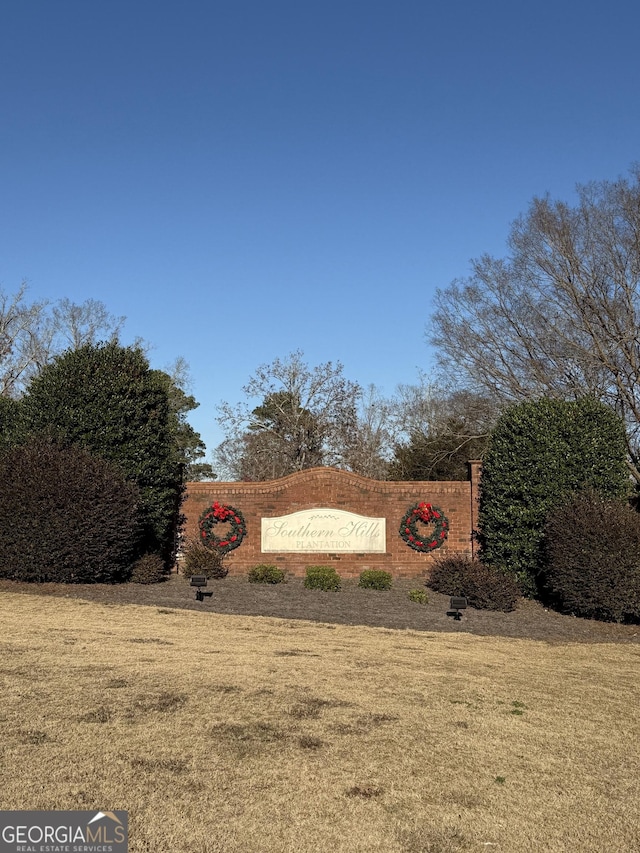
{"x":65,"y":516}
{"x":200,"y":560}
{"x":419,"y":596}
{"x":539,"y":453}
{"x":322,"y":577}
{"x":150,"y":568}
{"x":375,"y":579}
{"x":266,"y":573}
{"x":593,"y":559}
{"x":484,"y":587}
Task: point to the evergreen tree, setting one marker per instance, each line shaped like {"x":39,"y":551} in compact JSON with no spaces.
{"x":106,"y":399}
{"x":540,"y":453}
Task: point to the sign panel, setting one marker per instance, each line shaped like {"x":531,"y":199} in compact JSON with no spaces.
{"x":324,"y":530}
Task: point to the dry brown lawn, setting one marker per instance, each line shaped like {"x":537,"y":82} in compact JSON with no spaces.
{"x":263,"y":735}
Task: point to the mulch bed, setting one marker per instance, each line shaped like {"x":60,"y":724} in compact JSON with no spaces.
{"x":350,"y":606}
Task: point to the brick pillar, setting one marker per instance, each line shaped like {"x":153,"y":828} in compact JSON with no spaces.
{"x":475,"y":475}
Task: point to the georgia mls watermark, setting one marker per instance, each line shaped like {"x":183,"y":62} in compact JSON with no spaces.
{"x":63,"y":832}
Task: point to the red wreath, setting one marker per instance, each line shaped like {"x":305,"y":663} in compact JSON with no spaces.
{"x":427,"y":514}
{"x":215,"y":514}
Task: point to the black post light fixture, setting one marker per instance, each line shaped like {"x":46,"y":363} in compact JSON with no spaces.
{"x":456,"y":604}
{"x":199,"y":581}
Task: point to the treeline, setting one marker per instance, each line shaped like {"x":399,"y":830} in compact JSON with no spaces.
{"x":557,"y":318}
{"x":309,"y":416}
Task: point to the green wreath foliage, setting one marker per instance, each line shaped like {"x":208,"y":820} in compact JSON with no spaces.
{"x":215,"y":514}
{"x":426,"y":541}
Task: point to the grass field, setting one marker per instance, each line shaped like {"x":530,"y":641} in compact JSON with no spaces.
{"x":253,"y":735}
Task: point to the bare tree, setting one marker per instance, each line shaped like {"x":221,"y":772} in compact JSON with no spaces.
{"x":293,"y":419}
{"x":417,"y":407}
{"x":559,"y":316}
{"x":23,"y":340}
{"x":367,"y":446}
{"x":251,"y":456}
{"x":89,"y":322}
{"x":31,"y":334}
{"x":439,"y":430}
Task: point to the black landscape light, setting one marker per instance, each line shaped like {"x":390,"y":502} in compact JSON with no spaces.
{"x":456,"y":604}
{"x":199,"y":581}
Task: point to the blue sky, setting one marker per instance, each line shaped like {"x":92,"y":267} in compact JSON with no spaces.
{"x":243,"y":179}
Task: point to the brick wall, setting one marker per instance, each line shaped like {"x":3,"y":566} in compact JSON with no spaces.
{"x":329,"y":487}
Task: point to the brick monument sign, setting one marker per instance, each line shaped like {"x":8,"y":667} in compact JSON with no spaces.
{"x":324,"y":516}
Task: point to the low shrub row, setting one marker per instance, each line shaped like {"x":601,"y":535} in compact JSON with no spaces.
{"x":483,"y":587}
{"x":327,"y":579}
{"x":317,"y":577}
{"x":320,"y":577}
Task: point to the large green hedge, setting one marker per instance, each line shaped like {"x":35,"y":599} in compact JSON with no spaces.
{"x":539,"y":453}
{"x":9,"y":422}
{"x":106,"y":399}
{"x":65,"y":516}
